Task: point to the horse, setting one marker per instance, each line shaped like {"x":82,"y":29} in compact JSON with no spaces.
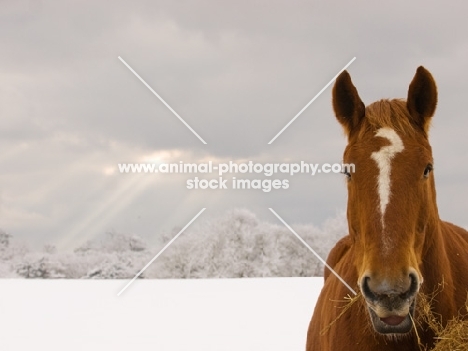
{"x":397,"y":247}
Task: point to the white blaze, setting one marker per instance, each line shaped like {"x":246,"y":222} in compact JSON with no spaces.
{"x":383,"y":158}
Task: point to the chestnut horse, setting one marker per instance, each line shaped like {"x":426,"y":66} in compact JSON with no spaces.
{"x":397,"y":247}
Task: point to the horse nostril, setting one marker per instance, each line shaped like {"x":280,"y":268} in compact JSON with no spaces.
{"x":366,"y":290}
{"x":413,"y":288}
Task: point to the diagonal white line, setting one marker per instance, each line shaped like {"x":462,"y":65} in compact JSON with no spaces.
{"x":160,"y":252}
{"x":311,"y":101}
{"x":313,"y":251}
{"x":162,"y":100}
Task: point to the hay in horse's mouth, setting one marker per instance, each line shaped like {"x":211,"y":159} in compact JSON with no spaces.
{"x":392,"y":324}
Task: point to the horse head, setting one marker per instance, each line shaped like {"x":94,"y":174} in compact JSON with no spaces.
{"x":391,"y":195}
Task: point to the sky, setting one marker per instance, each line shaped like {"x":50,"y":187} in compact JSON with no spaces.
{"x":237,"y":73}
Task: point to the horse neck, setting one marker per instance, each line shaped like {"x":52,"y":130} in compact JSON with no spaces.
{"x":437,"y":271}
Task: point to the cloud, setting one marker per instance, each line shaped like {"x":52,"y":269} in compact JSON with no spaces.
{"x":237,"y":72}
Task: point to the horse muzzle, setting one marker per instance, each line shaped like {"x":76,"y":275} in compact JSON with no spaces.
{"x":391,"y":311}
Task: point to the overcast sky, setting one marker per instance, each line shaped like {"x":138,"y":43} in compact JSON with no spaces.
{"x":237,"y":72}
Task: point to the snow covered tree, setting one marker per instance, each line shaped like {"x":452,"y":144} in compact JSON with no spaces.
{"x":239,"y":245}
{"x":38,"y":265}
{"x":234,"y":245}
{"x":116,"y":256}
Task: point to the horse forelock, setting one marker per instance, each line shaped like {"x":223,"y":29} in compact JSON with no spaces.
{"x":387,"y":113}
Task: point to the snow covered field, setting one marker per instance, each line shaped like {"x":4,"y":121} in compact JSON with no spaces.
{"x":264,"y":314}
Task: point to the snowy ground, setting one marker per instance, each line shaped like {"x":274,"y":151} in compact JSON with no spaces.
{"x":264,"y":314}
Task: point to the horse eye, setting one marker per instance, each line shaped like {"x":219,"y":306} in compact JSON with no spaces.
{"x":428,"y":170}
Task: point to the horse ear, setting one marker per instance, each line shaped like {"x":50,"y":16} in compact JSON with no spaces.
{"x":348,"y":107}
{"x":422,"y":98}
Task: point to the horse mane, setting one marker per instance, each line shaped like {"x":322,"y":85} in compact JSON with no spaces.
{"x":388,"y":113}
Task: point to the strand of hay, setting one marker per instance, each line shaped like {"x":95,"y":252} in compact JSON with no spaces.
{"x":350,"y":301}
